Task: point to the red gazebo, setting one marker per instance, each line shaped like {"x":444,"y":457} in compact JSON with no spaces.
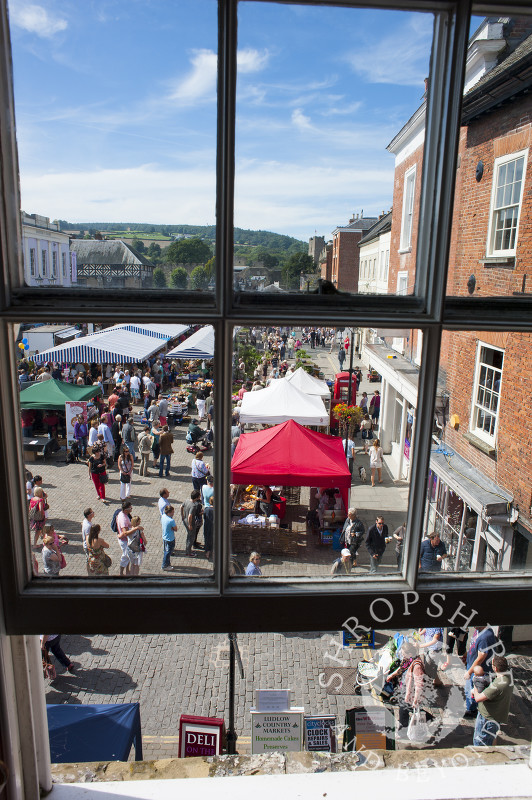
{"x":291,"y":455}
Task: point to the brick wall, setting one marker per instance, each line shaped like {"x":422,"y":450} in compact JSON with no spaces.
{"x":502,"y":132}
{"x":400,"y":262}
{"x":346,"y":259}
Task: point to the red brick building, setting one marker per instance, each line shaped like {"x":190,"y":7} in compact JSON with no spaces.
{"x":480,"y":485}
{"x":345,"y":253}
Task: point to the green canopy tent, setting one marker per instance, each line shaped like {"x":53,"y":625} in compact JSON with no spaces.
{"x":52,"y":394}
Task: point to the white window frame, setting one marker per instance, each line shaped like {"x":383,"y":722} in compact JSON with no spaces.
{"x":491,"y":249}
{"x":32,"y":262}
{"x":386,"y":265}
{"x":44,"y":262}
{"x":54,"y":262}
{"x":221,"y":604}
{"x":407,"y":216}
{"x":64,"y":263}
{"x":402,"y":276}
{"x":478,"y":407}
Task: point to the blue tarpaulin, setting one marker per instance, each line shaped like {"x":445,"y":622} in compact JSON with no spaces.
{"x":94,"y":732}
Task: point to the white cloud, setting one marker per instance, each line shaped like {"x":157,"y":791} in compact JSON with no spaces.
{"x":349,"y":108}
{"x":272,"y":195}
{"x":200,"y":83}
{"x":35,"y":19}
{"x":142,"y":193}
{"x":401,"y":58}
{"x":301,"y":121}
{"x":249,"y":60}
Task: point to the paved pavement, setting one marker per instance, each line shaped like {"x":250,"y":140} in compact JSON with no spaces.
{"x":188,"y":674}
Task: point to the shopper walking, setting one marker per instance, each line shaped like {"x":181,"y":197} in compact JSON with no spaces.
{"x":376,"y":542}
{"x":169,"y":529}
{"x":98,"y":562}
{"x":200,"y":470}
{"x":125,"y":468}
{"x":165,"y":444}
{"x":375,"y":460}
{"x":145,"y":449}
{"x":98,"y":471}
{"x":52,"y":641}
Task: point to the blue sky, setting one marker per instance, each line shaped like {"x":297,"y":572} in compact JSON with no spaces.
{"x":116,"y":110}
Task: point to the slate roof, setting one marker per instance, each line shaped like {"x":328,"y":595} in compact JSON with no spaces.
{"x":108,"y":251}
{"x":383,"y":225}
{"x":513,"y":76}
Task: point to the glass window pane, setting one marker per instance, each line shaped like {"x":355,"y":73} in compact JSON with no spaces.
{"x":116,"y":151}
{"x":317,"y":146}
{"x":133,"y":437}
{"x":293,"y":483}
{"x":489,"y":244}
{"x":474,"y":455}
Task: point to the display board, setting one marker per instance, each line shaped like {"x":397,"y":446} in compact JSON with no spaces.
{"x":277,"y":731}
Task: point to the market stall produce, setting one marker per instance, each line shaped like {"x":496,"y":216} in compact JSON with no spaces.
{"x":287,"y":455}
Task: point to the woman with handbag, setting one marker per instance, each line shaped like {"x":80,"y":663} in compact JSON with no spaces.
{"x":155,"y":446}
{"x":410,"y":694}
{"x":37,"y":514}
{"x":98,"y":471}
{"x":99,"y":562}
{"x":59,"y":540}
{"x":125,"y":468}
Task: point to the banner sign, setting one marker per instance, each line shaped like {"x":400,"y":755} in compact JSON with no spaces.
{"x":73,"y":410}
{"x":320,"y":733}
{"x":200,"y":736}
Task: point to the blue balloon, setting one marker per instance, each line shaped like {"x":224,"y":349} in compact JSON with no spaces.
{"x":26,"y":347}
{"x":25,"y":341}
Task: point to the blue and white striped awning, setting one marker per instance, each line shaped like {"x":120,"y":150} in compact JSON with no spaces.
{"x":199,"y":345}
{"x":161,"y":330}
{"x":110,"y":346}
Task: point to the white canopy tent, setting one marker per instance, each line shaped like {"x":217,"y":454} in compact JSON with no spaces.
{"x":308,"y":383}
{"x":281,"y":401}
{"x":199,"y":345}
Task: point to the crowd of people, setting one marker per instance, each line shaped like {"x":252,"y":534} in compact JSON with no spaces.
{"x":410,"y":675}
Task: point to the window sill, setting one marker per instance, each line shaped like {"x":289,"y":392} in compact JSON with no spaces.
{"x":498,"y":262}
{"x":481,"y":445}
{"x":404,"y":250}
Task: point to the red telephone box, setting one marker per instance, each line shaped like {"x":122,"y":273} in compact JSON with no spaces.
{"x":341,"y":394}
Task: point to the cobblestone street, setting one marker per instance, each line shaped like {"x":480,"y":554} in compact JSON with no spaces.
{"x":177,"y":674}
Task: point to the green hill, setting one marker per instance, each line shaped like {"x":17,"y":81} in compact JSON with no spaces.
{"x":243,"y":239}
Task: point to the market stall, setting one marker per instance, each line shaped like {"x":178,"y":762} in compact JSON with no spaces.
{"x":198,"y":346}
{"x":50,"y":396}
{"x":287,"y":455}
{"x":307,"y":383}
{"x":282,"y":401}
{"x":110,"y":346}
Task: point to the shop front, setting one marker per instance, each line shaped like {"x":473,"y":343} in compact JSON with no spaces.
{"x":474,"y":516}
{"x":398,"y":407}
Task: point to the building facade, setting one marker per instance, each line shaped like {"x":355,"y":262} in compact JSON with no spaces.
{"x":479,"y":494}
{"x":345,"y":257}
{"x":47,"y":260}
{"x":110,"y":264}
{"x":374,"y":257}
